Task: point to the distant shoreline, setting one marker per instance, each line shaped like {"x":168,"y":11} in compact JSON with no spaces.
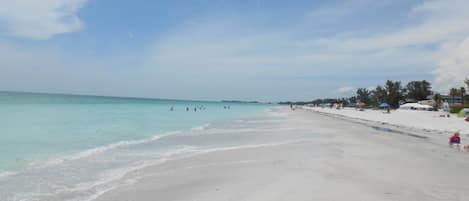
{"x":122,"y":97}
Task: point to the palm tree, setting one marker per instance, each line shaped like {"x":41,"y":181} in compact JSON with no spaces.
{"x":437,"y":99}
{"x":466,"y":81}
{"x":454,"y":92}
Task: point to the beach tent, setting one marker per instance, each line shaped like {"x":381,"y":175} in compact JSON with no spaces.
{"x":427,"y":107}
{"x":415,"y":106}
{"x":463,"y":112}
{"x":384,"y":105}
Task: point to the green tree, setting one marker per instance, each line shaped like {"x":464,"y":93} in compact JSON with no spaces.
{"x":378,"y":95}
{"x":418,"y":90}
{"x":352,"y":100}
{"x":462,"y":93}
{"x":438,"y":100}
{"x":364,"y":96}
{"x":394,"y":93}
{"x":466,"y":81}
{"x":454,"y":92}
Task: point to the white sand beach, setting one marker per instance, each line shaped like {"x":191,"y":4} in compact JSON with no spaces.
{"x":420,"y":121}
{"x":305,"y":155}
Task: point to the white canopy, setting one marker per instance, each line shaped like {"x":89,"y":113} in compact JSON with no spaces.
{"x":415,"y":106}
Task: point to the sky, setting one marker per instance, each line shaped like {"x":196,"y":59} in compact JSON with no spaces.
{"x":265,"y":50}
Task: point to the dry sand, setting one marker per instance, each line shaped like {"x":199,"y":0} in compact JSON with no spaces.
{"x":308,"y":156}
{"x":436,"y":122}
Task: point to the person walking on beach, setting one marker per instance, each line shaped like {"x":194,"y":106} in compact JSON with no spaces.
{"x":455,"y":139}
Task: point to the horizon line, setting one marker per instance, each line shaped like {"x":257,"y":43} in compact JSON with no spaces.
{"x":130,"y":97}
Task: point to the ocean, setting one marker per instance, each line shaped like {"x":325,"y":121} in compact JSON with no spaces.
{"x":52,"y":143}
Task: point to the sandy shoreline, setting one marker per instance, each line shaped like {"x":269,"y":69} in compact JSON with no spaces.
{"x":419,"y":121}
{"x":308,"y":156}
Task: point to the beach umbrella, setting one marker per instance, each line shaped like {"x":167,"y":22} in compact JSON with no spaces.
{"x":384,"y":105}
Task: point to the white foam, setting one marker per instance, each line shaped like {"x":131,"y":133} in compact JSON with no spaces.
{"x":103,"y":184}
{"x":113,"y":179}
{"x":251,"y":146}
{"x":200,"y":128}
{"x":97,"y":150}
{"x":276,"y":113}
{"x":118,"y":174}
{"x":6,"y":174}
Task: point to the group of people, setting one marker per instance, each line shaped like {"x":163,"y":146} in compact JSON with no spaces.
{"x":201,"y":107}
{"x":455,"y":140}
{"x":196,"y":108}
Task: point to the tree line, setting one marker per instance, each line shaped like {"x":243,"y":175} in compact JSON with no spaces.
{"x":394,"y":93}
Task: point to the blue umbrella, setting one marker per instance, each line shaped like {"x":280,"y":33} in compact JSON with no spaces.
{"x":384,"y":105}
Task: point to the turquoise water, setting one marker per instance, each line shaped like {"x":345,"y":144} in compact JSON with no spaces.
{"x":40,"y":127}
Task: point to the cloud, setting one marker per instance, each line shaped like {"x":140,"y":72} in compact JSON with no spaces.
{"x":338,"y":10}
{"x":40,"y":19}
{"x":432,"y":22}
{"x":346,"y":89}
{"x":447,"y":24}
{"x":225,"y":58}
{"x":438,"y":41}
{"x":441,"y":20}
{"x":226,"y":52}
{"x":453,"y":66}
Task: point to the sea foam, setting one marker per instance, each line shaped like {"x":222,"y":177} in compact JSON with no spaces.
{"x":97,"y":150}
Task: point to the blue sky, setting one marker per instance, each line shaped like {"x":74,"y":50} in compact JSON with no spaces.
{"x":212,"y":50}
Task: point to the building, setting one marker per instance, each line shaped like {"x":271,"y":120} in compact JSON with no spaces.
{"x":452,"y":100}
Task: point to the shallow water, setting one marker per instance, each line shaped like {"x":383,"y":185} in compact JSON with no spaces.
{"x":54,"y":144}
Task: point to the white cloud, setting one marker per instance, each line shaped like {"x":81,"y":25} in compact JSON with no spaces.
{"x":438,"y":21}
{"x":346,"y":89}
{"x":453,"y":66}
{"x":213,"y":48}
{"x":442,"y":20}
{"x":443,"y":24}
{"x":371,"y":88}
{"x":449,"y":18}
{"x":232,"y":59}
{"x":345,"y":8}
{"x":40,"y":19}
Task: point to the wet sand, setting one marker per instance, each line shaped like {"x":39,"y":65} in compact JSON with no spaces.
{"x":308,"y":156}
